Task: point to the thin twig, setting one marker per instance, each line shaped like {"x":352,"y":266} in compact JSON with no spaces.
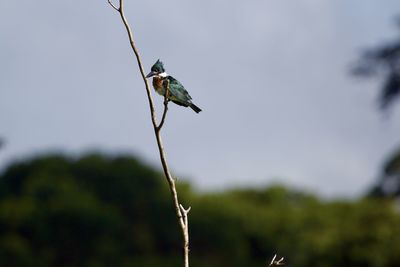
{"x":166,"y":100}
{"x":275,"y":262}
{"x":181,"y":216}
{"x":163,"y":115}
{"x":113,"y":6}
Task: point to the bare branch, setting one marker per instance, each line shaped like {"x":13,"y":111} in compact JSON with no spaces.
{"x":184,"y":213}
{"x":112,"y":5}
{"x":180,"y":212}
{"x":275,"y":262}
{"x":163,"y":116}
{"x":165,"y":107}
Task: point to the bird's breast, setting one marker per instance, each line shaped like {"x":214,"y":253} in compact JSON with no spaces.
{"x":158,"y":85}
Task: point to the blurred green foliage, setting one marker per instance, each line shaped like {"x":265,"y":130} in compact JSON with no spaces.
{"x":388,"y":185}
{"x":99,"y":210}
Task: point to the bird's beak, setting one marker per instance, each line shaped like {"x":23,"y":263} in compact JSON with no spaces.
{"x":151,"y":74}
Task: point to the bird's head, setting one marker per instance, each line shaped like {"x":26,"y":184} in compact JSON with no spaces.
{"x":157,"y":69}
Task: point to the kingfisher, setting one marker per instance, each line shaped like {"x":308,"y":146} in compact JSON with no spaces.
{"x":176,"y":92}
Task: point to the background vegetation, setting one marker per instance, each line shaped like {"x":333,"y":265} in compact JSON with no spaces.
{"x":100,"y":210}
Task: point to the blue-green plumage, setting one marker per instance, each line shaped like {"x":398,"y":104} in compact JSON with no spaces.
{"x":176,"y":91}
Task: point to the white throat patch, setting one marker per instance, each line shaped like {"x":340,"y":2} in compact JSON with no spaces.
{"x":164,"y":74}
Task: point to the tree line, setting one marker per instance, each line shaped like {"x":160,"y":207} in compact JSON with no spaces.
{"x":99,"y":210}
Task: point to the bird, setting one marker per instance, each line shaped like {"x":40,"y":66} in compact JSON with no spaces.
{"x":176,"y":91}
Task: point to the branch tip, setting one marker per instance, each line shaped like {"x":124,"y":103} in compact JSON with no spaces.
{"x":113,"y":6}
{"x":275,"y":262}
{"x":183,"y":210}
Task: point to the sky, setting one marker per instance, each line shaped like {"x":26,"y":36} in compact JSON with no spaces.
{"x":272,"y":77}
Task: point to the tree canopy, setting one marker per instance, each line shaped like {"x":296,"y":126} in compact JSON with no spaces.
{"x":383,"y":61}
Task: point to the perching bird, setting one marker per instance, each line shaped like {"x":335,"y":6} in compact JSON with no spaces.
{"x":176,"y":92}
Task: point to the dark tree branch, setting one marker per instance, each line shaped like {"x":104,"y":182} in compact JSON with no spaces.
{"x":113,"y":6}
{"x":165,"y":109}
{"x":382,"y":61}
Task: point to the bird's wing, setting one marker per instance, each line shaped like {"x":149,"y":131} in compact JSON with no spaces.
{"x":177,"y":91}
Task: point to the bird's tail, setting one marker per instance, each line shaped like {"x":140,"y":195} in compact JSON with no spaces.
{"x":195,"y":108}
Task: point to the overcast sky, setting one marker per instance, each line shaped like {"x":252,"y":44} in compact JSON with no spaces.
{"x":272,"y":78}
